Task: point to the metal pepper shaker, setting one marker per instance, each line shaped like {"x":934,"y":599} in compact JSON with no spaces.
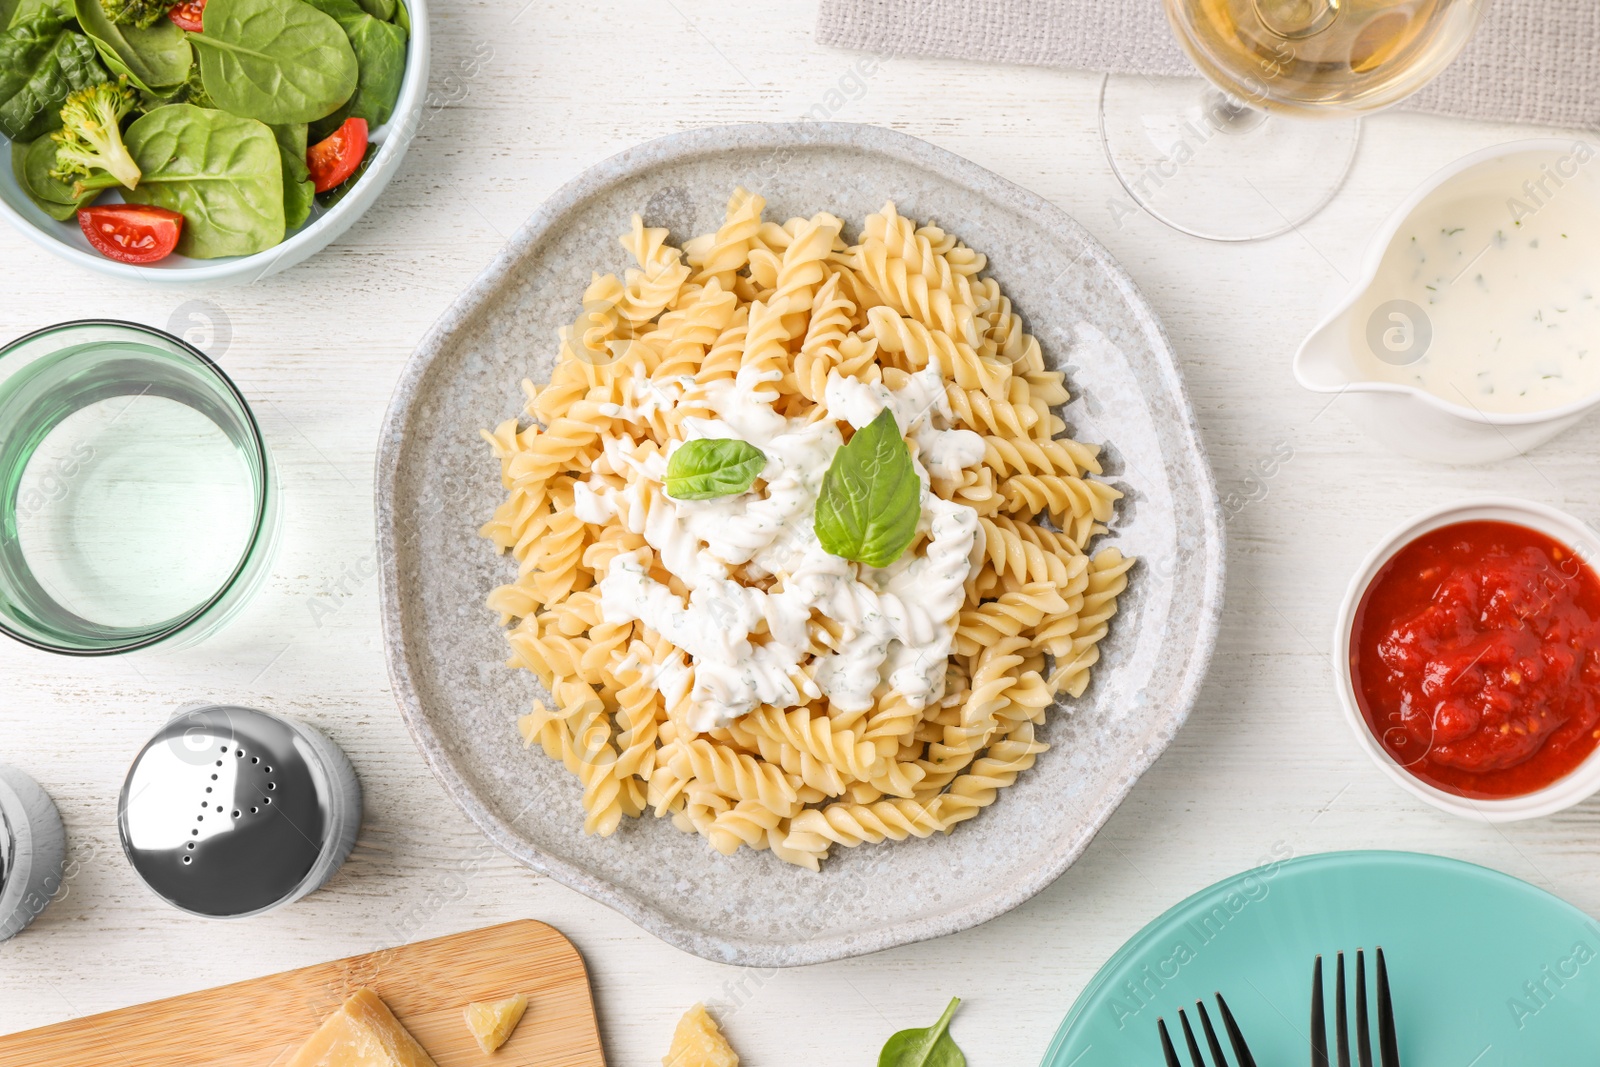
{"x":230,"y":812}
{"x":33,"y":851}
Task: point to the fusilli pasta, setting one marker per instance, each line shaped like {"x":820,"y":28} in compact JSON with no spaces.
{"x":703,"y":661}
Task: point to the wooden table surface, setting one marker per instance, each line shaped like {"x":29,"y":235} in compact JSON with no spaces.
{"x":528,"y":96}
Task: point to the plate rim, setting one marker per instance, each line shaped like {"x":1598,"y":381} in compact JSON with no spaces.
{"x":869,"y":140}
{"x":1135,"y":942}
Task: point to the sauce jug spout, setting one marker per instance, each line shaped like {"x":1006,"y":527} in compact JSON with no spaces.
{"x":1324,"y":362}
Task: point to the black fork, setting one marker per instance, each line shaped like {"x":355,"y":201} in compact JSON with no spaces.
{"x":1388,"y":1047}
{"x":1241,"y":1051}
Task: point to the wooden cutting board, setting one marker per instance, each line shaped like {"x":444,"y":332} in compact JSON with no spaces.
{"x":263,"y":1022}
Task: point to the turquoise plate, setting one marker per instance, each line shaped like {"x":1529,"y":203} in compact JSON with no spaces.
{"x":1486,"y":969}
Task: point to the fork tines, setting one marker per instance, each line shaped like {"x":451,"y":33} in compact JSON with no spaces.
{"x":1241,"y":1051}
{"x":1388,"y":1047}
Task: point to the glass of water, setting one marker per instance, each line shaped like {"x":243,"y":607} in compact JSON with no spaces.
{"x":137,"y":499}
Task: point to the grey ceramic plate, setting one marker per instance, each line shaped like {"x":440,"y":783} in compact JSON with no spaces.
{"x":437,"y":483}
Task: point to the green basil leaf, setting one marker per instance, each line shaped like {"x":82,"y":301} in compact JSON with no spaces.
{"x":871,"y":496}
{"x":933,"y":1047}
{"x":298,"y":190}
{"x":279,"y":61}
{"x":222,"y":173}
{"x":33,"y":108}
{"x":709,"y":467}
{"x":154,"y":59}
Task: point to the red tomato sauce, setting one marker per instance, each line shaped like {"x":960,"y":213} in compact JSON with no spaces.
{"x":1475,"y":655}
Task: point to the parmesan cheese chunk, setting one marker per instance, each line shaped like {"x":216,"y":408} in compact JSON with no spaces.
{"x":362,"y":1033}
{"x":491,"y":1022}
{"x":698,"y":1043}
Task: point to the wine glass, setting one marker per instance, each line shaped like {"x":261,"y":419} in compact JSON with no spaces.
{"x":1268,"y":142}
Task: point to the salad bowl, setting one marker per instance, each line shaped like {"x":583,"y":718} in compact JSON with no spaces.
{"x":326,"y":224}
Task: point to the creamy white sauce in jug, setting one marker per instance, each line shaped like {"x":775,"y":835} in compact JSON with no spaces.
{"x":1497,"y":289}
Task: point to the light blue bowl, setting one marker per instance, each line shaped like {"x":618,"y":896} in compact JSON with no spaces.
{"x":66,"y":240}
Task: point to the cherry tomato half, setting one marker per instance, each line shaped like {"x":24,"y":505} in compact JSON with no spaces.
{"x":131,"y":233}
{"x":336,"y":157}
{"x":187,"y":14}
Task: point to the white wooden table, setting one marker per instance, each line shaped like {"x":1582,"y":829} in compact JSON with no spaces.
{"x":1265,"y":765}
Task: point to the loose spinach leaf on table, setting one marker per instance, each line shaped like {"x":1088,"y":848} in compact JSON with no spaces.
{"x":380,"y":49}
{"x":154,"y":59}
{"x":221,"y":172}
{"x":280,"y":61}
{"x":298,"y":191}
{"x":870,"y":501}
{"x":933,"y":1047}
{"x":709,"y":467}
{"x":34,"y":107}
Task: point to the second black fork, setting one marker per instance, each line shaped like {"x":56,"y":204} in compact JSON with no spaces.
{"x":1388,"y":1047}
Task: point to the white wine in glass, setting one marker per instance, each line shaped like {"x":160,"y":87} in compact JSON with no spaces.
{"x":1269,"y":142}
{"x":1314,"y":55}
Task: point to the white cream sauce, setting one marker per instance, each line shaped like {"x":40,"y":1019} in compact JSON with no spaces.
{"x":747,"y":644}
{"x":1508,"y":288}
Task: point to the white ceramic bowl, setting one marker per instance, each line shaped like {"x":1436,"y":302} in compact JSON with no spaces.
{"x":66,"y":240}
{"x":1409,"y":420}
{"x":1584,"y":781}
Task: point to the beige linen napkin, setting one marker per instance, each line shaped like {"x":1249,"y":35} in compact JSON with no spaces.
{"x":1534,"y":61}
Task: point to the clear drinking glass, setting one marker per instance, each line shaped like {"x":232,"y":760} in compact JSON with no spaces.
{"x":1268,"y":142}
{"x":137,"y":500}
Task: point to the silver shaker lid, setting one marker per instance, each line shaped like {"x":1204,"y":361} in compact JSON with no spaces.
{"x":229,"y":811}
{"x":33,"y":851}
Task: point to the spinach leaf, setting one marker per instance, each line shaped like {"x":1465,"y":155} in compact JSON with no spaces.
{"x":23,"y":47}
{"x":380,"y":49}
{"x":402,"y":15}
{"x":153,"y":59}
{"x":298,"y":191}
{"x":337,"y":193}
{"x":871,"y":496}
{"x":47,"y":191}
{"x":34,"y":109}
{"x":279,"y":61}
{"x":710,"y":467}
{"x":380,"y":9}
{"x":222,"y":173}
{"x":31,"y":163}
{"x":933,"y":1047}
{"x":25,"y":10}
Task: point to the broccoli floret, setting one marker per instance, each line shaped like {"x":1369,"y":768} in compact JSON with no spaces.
{"x":194,"y":92}
{"x":91,"y":137}
{"x":140,"y":13}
